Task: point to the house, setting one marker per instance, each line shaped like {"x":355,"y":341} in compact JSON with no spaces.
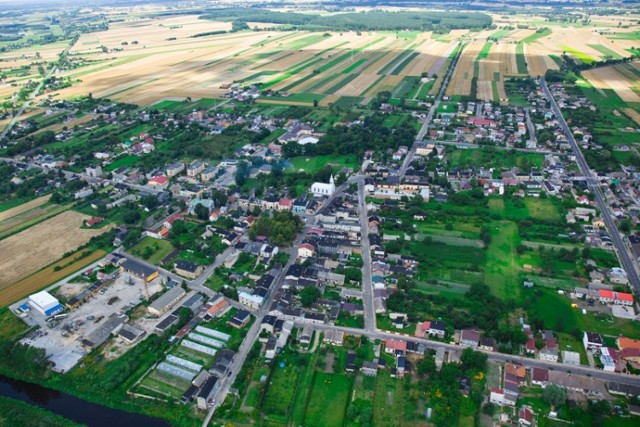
{"x":627,"y":343}
{"x":306,"y":250}
{"x":188,"y":269}
{"x":525,"y":416}
{"x":470,"y":338}
{"x":395,"y":346}
{"x":539,"y":376}
{"x":497,"y":396}
{"x":174,"y":169}
{"x":592,"y":341}
{"x":571,"y":358}
{"x":487,"y":344}
{"x":195,"y":168}
{"x":240,"y":319}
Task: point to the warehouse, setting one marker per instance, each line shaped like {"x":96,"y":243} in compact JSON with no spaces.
{"x":139,"y":270}
{"x":166,"y":301}
{"x":45,"y":303}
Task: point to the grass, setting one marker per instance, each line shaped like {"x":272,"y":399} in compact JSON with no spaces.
{"x":159,"y":249}
{"x":279,"y":395}
{"x":354,"y":65}
{"x":484,"y":53}
{"x":521,"y":61}
{"x":15,"y":202}
{"x":122,"y":161}
{"x":10,"y":325}
{"x":23,"y":414}
{"x":20,"y":223}
{"x":334,"y":88}
{"x":605,"y":51}
{"x":348,"y":101}
{"x":501,"y":268}
{"x":300,"y":97}
{"x":406,"y":85}
{"x":543,"y":209}
{"x":404,"y":63}
{"x":388,"y":401}
{"x":501,"y":34}
{"x":312,"y":165}
{"x":583,"y":57}
{"x":488,"y":157}
{"x":324,"y":411}
{"x":537,"y":35}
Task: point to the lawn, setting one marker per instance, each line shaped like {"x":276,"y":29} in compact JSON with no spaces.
{"x":543,"y":209}
{"x":152,"y":250}
{"x":278,"y":398}
{"x":388,"y":403}
{"x":329,"y":399}
{"x":501,"y":270}
{"x":122,"y":161}
{"x":10,"y":324}
{"x":311,"y":165}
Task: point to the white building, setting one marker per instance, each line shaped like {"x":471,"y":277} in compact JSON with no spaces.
{"x":45,"y":303}
{"x":571,"y":358}
{"x":250,"y":300}
{"x":322,"y":189}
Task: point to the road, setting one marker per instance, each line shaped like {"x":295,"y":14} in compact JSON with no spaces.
{"x":32,"y":96}
{"x":471,"y":146}
{"x":532,"y":129}
{"x":621,"y":248}
{"x":425,"y":125}
{"x":493,"y":356}
{"x":226,"y":382}
{"x":367,"y":284}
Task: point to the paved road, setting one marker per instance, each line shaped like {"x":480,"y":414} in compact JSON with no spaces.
{"x":498,"y":357}
{"x":618,"y":243}
{"x":532,"y":129}
{"x":425,"y":125}
{"x":367,"y":285}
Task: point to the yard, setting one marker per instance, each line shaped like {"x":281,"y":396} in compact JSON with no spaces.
{"x":311,"y":165}
{"x":501,"y":271}
{"x":329,"y":399}
{"x":152,"y":250}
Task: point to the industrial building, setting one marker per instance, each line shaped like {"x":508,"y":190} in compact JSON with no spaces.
{"x":139,"y":270}
{"x":45,"y":303}
{"x":166,"y":301}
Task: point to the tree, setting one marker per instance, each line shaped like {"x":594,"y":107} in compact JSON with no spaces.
{"x":554,"y":395}
{"x":131,"y":216}
{"x":201,"y":212}
{"x":309,"y":295}
{"x":473,"y":360}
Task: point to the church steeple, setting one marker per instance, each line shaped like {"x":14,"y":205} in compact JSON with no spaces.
{"x":331,"y":180}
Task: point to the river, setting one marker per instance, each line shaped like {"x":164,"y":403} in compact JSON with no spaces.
{"x":73,"y":408}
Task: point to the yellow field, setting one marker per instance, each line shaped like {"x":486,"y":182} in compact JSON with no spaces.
{"x":24,"y":207}
{"x":460,"y":83}
{"x":610,"y":78}
{"x":46,"y":277}
{"x":30,"y":250}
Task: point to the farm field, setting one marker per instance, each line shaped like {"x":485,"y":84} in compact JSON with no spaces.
{"x":30,"y":250}
{"x":4,"y":215}
{"x":617,"y":78}
{"x":47,"y":276}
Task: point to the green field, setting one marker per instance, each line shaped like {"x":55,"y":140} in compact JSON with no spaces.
{"x":280,"y":391}
{"x":501,"y":271}
{"x":583,"y":57}
{"x":329,"y":398}
{"x":489,"y":157}
{"x":312,"y":165}
{"x":606,"y":51}
{"x":17,"y":413}
{"x":543,"y":209}
{"x":122,"y":161}
{"x":484,"y":53}
{"x":537,"y":35}
{"x":152,"y":250}
{"x":520,"y":59}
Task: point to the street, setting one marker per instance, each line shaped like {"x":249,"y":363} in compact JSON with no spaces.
{"x":621,"y":248}
{"x":367,"y":285}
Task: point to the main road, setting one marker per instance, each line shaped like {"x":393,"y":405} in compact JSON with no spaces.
{"x":493,"y":356}
{"x":367,"y":285}
{"x":621,"y":248}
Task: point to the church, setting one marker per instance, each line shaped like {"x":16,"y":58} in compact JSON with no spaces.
{"x":321,"y":189}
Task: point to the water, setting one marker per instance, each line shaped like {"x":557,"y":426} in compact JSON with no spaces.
{"x":73,"y":408}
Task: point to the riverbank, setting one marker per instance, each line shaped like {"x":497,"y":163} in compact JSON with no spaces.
{"x":17,"y":413}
